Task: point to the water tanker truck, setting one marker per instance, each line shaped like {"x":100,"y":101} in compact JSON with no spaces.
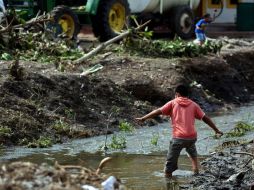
{"x":110,"y":17}
{"x":2,"y":10}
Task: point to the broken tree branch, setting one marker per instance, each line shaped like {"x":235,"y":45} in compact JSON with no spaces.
{"x":33,"y":21}
{"x":105,"y":44}
{"x":244,"y":153}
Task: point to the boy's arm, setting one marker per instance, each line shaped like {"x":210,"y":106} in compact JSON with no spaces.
{"x":210,"y":123}
{"x":150,"y":115}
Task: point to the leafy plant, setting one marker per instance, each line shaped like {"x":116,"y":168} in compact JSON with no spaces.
{"x":5,"y":131}
{"x":168,"y":49}
{"x":126,"y":127}
{"x":118,"y":142}
{"x":42,"y":142}
{"x":34,"y":43}
{"x":61,"y":126}
{"x":70,"y":113}
{"x":154,"y":139}
{"x":240,"y":129}
{"x":113,"y":111}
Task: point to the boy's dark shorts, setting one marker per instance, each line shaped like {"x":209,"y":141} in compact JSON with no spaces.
{"x":175,"y":147}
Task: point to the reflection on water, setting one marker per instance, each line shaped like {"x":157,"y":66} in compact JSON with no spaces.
{"x":140,"y":165}
{"x":136,"y":171}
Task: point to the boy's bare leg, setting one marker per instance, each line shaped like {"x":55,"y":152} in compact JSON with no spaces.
{"x":168,"y":174}
{"x":194,"y":163}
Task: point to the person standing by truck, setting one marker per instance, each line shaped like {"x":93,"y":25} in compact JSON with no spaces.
{"x":183,"y":113}
{"x":200,"y":28}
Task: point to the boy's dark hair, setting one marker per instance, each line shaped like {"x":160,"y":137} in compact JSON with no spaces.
{"x":182,"y":90}
{"x":207,"y":15}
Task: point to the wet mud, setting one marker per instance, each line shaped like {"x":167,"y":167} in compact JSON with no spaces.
{"x":230,"y":169}
{"x":42,"y":106}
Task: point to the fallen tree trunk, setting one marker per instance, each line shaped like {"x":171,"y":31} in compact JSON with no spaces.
{"x":105,"y":44}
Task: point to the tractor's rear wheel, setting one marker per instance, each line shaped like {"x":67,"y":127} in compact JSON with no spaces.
{"x":65,"y":22}
{"x":183,"y":22}
{"x":111,"y":18}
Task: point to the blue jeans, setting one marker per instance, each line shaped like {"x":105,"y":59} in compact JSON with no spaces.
{"x":201,"y":37}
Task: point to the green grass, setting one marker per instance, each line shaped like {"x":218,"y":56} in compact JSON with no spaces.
{"x":155,"y":139}
{"x":240,"y":129}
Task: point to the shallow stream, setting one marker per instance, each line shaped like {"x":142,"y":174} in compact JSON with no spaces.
{"x":140,"y":165}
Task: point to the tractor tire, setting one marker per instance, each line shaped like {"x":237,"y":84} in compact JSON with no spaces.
{"x":65,"y":22}
{"x":183,"y":22}
{"x":111,"y":18}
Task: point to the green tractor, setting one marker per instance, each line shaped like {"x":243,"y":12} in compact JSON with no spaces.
{"x":107,"y":17}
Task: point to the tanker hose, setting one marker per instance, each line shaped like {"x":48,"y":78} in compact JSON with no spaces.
{"x":221,"y":9}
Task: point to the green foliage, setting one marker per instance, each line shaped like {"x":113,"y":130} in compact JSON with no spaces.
{"x":155,"y":139}
{"x":114,"y":110}
{"x":61,"y":126}
{"x":118,"y":142}
{"x":6,"y":57}
{"x":5,"y":131}
{"x":168,"y":49}
{"x":146,"y":33}
{"x":23,"y":142}
{"x":126,"y":127}
{"x":240,"y":129}
{"x":36,"y":44}
{"x":42,"y":142}
{"x":69,"y":113}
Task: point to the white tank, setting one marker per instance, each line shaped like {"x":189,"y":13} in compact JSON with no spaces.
{"x":154,"y":6}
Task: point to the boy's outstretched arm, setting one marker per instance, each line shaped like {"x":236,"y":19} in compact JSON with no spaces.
{"x":150,"y":115}
{"x":210,"y":123}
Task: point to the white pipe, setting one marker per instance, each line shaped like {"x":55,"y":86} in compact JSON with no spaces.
{"x":161,"y":6}
{"x":2,"y":5}
{"x":191,"y":4}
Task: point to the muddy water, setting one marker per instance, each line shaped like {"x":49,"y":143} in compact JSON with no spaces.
{"x":140,"y":165}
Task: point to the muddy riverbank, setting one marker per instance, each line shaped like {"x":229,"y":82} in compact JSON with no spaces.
{"x":42,"y":106}
{"x":231,"y":169}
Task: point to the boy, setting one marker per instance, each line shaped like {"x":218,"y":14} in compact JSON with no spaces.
{"x":183,"y":113}
{"x":200,"y":28}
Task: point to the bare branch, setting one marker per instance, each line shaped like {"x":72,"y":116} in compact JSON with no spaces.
{"x":105,"y":44}
{"x":39,"y":19}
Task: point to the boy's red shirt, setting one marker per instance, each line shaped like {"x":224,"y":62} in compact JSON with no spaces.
{"x":183,"y":113}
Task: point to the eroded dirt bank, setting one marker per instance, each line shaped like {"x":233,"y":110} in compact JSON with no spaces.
{"x":43,"y":102}
{"x":215,"y":80}
{"x":231,"y":169}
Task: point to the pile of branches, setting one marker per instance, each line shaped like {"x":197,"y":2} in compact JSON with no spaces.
{"x":170,"y":48}
{"x":34,"y":40}
{"x":29,"y":176}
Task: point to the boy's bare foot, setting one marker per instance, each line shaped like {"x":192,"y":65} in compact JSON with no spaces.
{"x":168,"y":175}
